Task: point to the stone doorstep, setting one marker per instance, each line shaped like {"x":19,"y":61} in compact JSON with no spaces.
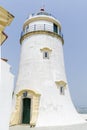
{"x":71,"y":127}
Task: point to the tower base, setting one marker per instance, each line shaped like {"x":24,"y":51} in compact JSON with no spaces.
{"x":70,"y":127}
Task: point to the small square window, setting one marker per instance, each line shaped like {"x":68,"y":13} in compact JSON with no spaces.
{"x":46,"y":55}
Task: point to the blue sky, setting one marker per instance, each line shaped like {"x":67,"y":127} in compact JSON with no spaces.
{"x":73,"y":16}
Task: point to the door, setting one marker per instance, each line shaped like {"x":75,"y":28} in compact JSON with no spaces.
{"x":26,"y":111}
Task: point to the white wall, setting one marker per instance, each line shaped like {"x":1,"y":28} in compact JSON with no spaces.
{"x":6,"y":89}
{"x":38,"y":74}
{"x":84,"y":116}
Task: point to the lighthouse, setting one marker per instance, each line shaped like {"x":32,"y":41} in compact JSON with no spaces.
{"x":41,"y":97}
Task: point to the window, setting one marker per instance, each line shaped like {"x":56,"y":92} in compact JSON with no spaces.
{"x":46,"y":55}
{"x":61,"y":85}
{"x":62,"y":90}
{"x":55,"y":28}
{"x":34,"y":27}
{"x":27,"y":27}
{"x":60,"y":32}
{"x":46,"y":52}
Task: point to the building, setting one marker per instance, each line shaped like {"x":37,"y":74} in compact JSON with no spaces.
{"x":5,"y":20}
{"x":6,"y":89}
{"x":6,"y":77}
{"x":41,"y":98}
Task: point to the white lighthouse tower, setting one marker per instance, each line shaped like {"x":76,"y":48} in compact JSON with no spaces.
{"x":41,"y":97}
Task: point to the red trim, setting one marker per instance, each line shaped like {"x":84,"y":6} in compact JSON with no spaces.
{"x":42,"y":9}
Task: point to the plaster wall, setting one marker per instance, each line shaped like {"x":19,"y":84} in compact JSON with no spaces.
{"x":6,"y":89}
{"x":84,"y":116}
{"x":36,"y":71}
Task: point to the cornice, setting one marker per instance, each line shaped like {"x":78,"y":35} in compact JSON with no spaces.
{"x":41,"y":32}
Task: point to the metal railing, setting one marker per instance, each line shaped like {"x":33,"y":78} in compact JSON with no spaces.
{"x":40,"y":27}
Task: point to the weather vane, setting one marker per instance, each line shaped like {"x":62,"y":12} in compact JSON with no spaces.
{"x":43,"y":6}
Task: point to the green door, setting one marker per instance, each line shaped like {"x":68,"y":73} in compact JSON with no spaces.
{"x":26,"y":111}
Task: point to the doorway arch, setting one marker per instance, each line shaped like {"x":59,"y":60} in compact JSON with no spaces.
{"x":18,"y":115}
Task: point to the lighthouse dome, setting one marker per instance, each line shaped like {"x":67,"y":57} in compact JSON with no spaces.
{"x":42,"y":21}
{"x":40,"y":13}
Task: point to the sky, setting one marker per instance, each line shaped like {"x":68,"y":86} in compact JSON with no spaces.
{"x":73,"y":17}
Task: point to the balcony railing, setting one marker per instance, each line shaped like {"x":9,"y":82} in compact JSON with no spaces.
{"x":41,"y":27}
